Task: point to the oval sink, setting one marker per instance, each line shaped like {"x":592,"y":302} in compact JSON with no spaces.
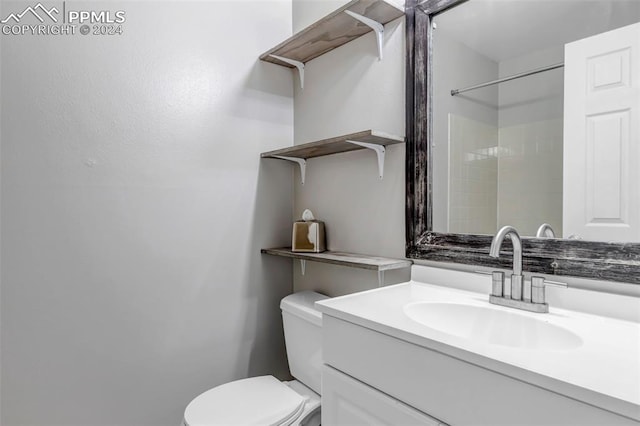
{"x":492,"y":326}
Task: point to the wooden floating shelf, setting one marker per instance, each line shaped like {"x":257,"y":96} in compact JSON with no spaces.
{"x":332,"y":31}
{"x":368,"y":139}
{"x":334,"y":145}
{"x":351,"y":21}
{"x":360,"y":261}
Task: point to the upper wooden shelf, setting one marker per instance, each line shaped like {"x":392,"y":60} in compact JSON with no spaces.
{"x":332,"y":31}
{"x":353,"y":260}
{"x":334,"y":145}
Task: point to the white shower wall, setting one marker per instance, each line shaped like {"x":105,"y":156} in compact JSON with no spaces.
{"x":473,"y":176}
{"x":490,"y":166}
{"x":530,"y":176}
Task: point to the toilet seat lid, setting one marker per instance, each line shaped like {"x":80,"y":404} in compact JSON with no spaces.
{"x":260,"y":401}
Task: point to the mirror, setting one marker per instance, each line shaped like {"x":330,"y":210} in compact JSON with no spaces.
{"x":609,"y":131}
{"x":514,"y":139}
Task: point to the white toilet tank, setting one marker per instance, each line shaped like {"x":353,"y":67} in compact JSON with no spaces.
{"x":303,"y":337}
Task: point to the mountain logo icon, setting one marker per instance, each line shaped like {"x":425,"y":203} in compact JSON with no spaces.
{"x":39,"y":11}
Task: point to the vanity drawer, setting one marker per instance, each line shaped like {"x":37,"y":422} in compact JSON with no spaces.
{"x":346,"y":401}
{"x":457,"y":392}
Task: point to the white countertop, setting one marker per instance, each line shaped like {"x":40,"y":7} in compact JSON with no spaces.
{"x":604,"y":371}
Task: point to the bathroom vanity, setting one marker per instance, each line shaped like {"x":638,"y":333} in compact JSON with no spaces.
{"x":433,"y":352}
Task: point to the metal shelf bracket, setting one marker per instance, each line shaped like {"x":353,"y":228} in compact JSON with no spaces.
{"x":303,"y":266}
{"x":376,"y":26}
{"x":380,"y":278}
{"x":299,"y":65}
{"x":301,"y":162}
{"x":380,"y":151}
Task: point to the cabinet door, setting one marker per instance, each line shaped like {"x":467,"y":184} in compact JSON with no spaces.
{"x":347,"y":401}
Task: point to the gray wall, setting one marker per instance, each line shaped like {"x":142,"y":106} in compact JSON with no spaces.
{"x":348,"y":90}
{"x":134,"y":206}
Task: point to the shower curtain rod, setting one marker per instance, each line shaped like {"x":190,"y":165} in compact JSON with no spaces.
{"x":513,"y":77}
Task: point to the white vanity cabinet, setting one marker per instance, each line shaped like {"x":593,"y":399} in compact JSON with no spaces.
{"x":347,"y":401}
{"x":372,"y":378}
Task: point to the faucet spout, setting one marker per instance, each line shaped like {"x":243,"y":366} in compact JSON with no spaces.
{"x":496,"y":243}
{"x":545,"y":231}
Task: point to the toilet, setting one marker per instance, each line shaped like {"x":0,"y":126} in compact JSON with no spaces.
{"x":265,"y":400}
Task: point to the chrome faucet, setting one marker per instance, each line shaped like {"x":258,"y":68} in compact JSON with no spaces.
{"x":545,"y":231}
{"x":527,"y":295}
{"x":516,"y":277}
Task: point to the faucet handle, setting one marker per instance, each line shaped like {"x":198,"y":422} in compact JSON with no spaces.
{"x":497,"y":283}
{"x":537,"y":288}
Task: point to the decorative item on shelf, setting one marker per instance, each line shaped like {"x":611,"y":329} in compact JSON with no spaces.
{"x":308,"y":234}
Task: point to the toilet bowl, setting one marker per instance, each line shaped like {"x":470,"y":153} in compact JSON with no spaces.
{"x":265,"y":400}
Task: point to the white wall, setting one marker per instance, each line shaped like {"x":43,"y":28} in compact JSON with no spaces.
{"x":1,"y":274}
{"x":536,"y":97}
{"x":306,"y":12}
{"x":531,"y":132}
{"x":134,"y":207}
{"x":349,"y":90}
{"x":456,"y":66}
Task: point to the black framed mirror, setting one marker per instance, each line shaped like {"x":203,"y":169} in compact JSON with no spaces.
{"x":604,"y":260}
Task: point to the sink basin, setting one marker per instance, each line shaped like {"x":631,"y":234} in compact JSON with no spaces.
{"x":494,"y":326}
